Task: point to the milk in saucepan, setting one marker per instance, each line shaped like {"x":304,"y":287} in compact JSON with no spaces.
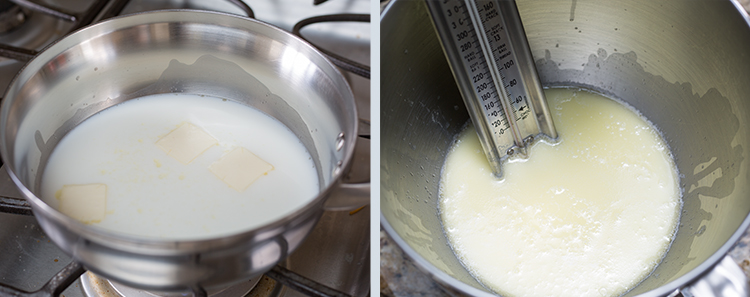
{"x":590,"y":216}
{"x":151,"y":193}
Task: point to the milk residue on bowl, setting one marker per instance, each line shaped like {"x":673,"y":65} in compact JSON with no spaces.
{"x":238,"y":168}
{"x":590,"y":216}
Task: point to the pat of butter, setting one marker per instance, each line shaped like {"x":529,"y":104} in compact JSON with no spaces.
{"x":240,"y":168}
{"x":86,"y":203}
{"x":186,"y":143}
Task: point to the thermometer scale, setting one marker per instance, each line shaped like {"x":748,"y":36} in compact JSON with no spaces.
{"x":486,"y":47}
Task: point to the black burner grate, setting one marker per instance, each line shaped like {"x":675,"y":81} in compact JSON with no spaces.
{"x":343,"y":63}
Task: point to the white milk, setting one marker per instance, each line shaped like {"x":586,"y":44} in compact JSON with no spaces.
{"x":590,"y":216}
{"x":152,"y":194}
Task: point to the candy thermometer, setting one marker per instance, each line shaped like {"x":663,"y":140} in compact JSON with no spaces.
{"x":487,"y":50}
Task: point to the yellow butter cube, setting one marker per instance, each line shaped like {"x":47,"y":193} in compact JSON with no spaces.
{"x":186,"y":142}
{"x":240,"y":168}
{"x":85,"y":203}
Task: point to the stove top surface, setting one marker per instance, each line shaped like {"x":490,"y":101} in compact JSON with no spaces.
{"x":336,"y":253}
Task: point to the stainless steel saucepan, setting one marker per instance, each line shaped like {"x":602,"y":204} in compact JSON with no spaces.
{"x":684,"y":64}
{"x":181,"y":51}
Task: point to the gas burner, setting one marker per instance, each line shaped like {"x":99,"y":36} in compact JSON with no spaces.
{"x":96,"y":286}
{"x":268,"y":285}
{"x":11,"y":16}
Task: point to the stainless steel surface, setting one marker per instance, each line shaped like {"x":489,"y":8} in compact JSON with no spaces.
{"x":682,"y":64}
{"x":486,"y":48}
{"x":31,"y":265}
{"x":725,"y":279}
{"x":399,"y":276}
{"x":93,"y":285}
{"x":351,"y":40}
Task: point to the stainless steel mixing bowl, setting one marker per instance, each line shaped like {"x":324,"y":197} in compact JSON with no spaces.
{"x":684,"y":64}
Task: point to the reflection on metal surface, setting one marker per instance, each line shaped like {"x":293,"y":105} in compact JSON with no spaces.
{"x":302,"y":284}
{"x":726,"y":279}
{"x":94,"y":285}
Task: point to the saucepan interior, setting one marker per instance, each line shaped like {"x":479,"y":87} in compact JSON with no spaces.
{"x":682,"y":64}
{"x":189,"y":52}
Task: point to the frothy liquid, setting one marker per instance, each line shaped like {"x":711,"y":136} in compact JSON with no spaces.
{"x":590,"y":216}
{"x":150,"y":193}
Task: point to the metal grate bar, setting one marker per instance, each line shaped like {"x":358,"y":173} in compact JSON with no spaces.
{"x":344,"y":63}
{"x":244,"y":7}
{"x":89,"y":15}
{"x":51,"y":11}
{"x":113,"y":10}
{"x":17,"y":53}
{"x":15,"y":206}
{"x":302,"y":284}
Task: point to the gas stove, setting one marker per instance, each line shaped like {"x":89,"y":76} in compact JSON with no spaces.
{"x":335,"y":255}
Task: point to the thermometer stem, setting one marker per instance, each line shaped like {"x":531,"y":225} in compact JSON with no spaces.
{"x":486,"y":47}
{"x":497,"y":77}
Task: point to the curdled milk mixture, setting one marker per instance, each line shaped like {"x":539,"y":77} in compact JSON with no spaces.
{"x":179,"y":167}
{"x":590,"y":216}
